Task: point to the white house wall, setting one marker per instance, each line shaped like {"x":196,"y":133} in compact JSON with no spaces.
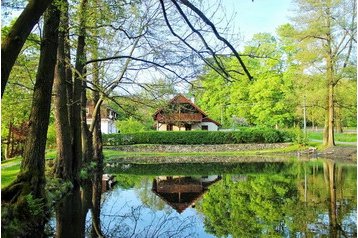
{"x":107,"y":126}
{"x":211,"y":126}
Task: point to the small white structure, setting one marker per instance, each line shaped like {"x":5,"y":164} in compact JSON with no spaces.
{"x":108,"y":117}
{"x":181,"y":114}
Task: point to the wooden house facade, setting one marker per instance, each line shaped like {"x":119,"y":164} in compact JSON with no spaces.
{"x":181,"y":114}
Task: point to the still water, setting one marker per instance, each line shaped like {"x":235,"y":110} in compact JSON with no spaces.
{"x":282,"y":199}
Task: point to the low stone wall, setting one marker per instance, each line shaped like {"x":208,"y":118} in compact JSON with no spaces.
{"x":198,"y":148}
{"x":193,"y":159}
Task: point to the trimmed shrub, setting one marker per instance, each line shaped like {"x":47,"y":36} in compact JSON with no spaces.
{"x":244,"y":135}
{"x":297,"y":136}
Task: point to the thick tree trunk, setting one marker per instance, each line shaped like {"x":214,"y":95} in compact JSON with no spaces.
{"x":328,"y":134}
{"x":87,"y":148}
{"x":68,"y":69}
{"x":30,"y":182}
{"x":63,"y":168}
{"x":86,"y":134}
{"x":329,"y":130}
{"x":77,"y":92}
{"x":13,"y":42}
{"x":97,"y":157}
{"x":32,"y":174}
{"x":330,"y":139}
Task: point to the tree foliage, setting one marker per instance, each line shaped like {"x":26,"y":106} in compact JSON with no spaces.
{"x":264,"y":101}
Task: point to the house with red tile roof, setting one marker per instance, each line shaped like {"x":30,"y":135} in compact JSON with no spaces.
{"x":181,"y":114}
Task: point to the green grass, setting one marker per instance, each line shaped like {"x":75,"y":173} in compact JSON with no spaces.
{"x":11,"y":167}
{"x":341,"y":137}
{"x":9,"y":170}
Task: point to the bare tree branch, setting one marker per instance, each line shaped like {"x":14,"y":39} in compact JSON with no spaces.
{"x":208,"y":22}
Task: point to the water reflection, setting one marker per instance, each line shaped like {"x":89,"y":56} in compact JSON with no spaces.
{"x":71,"y":212}
{"x":296,"y":199}
{"x":288,"y":204}
{"x":181,"y":192}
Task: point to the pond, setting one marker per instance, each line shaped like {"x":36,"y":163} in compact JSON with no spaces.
{"x":262,"y":199}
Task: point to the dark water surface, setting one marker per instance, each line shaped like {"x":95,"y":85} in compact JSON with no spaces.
{"x":291,"y":199}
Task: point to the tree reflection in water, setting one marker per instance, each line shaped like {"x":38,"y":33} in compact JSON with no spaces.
{"x":304,"y":200}
{"x":298,"y":199}
{"x":71,"y":213}
{"x":74,"y":220}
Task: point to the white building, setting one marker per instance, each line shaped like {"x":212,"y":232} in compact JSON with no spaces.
{"x":108,"y":117}
{"x":181,"y":114}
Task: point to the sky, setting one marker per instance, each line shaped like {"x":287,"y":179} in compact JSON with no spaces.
{"x":258,"y":15}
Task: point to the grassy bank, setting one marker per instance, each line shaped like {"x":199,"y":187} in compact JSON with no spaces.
{"x":341,"y":137}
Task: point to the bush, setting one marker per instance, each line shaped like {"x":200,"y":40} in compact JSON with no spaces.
{"x":130,"y":125}
{"x":244,"y":135}
{"x":298,"y":136}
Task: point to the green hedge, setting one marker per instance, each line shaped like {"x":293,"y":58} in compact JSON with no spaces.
{"x":244,"y":135}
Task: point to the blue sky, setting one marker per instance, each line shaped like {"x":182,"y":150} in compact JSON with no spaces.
{"x":258,"y":16}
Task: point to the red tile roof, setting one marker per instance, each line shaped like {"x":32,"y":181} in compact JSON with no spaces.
{"x":181,"y":99}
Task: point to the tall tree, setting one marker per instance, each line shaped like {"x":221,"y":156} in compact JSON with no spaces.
{"x":31,"y":179}
{"x":328,"y":28}
{"x":63,"y":168}
{"x":78,"y":90}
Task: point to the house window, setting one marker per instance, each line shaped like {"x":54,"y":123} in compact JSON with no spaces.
{"x":204,"y":128}
{"x":187,"y":127}
{"x":169,"y":127}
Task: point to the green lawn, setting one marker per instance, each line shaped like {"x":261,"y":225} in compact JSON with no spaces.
{"x":341,"y":137}
{"x":9,"y":169}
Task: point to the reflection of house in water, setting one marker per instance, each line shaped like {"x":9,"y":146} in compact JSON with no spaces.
{"x":181,"y":192}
